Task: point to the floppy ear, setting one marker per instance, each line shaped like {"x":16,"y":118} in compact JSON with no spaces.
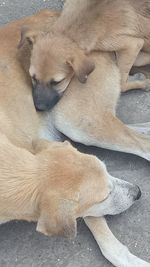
{"x":27,"y":35}
{"x":82,"y":66}
{"x":58,"y":219}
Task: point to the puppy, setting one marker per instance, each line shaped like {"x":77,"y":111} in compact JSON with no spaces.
{"x":120,"y":26}
{"x":52,"y":72}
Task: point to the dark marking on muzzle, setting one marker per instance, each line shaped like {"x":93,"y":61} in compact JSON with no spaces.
{"x":44,"y":98}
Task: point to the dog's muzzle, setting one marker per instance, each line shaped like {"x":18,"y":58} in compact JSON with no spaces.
{"x":45,"y":98}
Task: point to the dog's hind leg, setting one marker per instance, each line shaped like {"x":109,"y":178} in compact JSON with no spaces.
{"x":111,"y":248}
{"x":142,"y":59}
{"x":138,"y":84}
{"x":141,"y":65}
{"x":106,"y":132}
{"x":127,"y":56}
{"x":118,"y":136}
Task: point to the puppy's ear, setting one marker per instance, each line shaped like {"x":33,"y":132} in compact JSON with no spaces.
{"x":57,"y":218}
{"x":82,"y":66}
{"x":27,"y":35}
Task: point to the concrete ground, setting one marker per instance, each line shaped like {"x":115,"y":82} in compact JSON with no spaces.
{"x":22,"y":246}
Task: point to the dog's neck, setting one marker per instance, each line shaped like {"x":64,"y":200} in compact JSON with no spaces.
{"x":20,"y":182}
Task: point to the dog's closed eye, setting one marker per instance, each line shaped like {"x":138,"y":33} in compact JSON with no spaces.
{"x":55,"y":83}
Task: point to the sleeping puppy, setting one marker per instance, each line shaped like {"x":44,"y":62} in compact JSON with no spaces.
{"x":54,"y":61}
{"x":120,"y":26}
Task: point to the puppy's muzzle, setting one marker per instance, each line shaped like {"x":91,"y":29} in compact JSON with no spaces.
{"x":44,"y":98}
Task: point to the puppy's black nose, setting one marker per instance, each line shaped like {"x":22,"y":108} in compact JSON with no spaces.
{"x":139,"y":193}
{"x":44,"y":98}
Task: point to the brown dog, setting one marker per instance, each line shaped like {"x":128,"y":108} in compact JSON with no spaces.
{"x":55,"y":184}
{"x":120,"y":26}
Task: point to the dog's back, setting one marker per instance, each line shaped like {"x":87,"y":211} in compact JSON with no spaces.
{"x":90,"y":22}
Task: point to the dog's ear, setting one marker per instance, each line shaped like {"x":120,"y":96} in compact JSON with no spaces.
{"x":27,"y":35}
{"x":57,"y":218}
{"x":82,"y":66}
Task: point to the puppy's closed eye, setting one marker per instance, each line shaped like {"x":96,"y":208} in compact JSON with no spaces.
{"x":55,"y":83}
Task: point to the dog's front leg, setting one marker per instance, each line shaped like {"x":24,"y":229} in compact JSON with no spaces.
{"x":112,"y":249}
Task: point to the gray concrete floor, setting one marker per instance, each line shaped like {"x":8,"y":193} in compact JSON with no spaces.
{"x":21,"y":245}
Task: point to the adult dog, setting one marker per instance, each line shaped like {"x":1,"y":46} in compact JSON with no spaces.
{"x":20,"y":124}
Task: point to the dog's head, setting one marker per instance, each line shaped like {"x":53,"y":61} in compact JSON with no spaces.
{"x":76,"y":185}
{"x":54,"y":61}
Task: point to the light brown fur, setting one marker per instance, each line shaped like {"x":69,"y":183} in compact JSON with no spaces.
{"x":53,"y":183}
{"x":120,"y":26}
{"x":38,"y":180}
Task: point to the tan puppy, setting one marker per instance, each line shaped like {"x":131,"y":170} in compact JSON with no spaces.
{"x":56,"y":167}
{"x":121,"y":26}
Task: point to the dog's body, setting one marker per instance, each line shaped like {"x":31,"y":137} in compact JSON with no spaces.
{"x":20,"y":124}
{"x":121,"y":26}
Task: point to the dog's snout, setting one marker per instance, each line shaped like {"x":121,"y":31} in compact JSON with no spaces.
{"x":45,"y":98}
{"x":138,"y":193}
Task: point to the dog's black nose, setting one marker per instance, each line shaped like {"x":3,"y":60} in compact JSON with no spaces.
{"x":45,"y":98}
{"x":139,"y":193}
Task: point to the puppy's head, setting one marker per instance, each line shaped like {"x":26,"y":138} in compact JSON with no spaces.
{"x":70,"y":184}
{"x":54,"y":61}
